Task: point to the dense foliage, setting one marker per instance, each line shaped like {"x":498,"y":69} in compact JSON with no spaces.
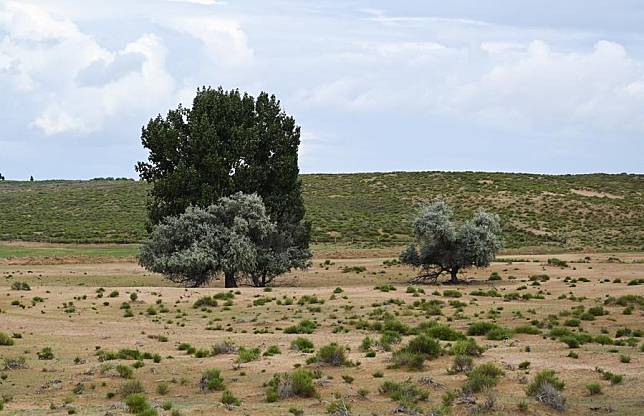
{"x":233,"y":237}
{"x":226,"y":143}
{"x":444,"y":246}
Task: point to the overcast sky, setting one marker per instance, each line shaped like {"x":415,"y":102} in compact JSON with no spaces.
{"x":544,"y":86}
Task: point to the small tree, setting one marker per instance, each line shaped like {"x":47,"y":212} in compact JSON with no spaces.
{"x":443,"y":246}
{"x":1,"y":177}
{"x":233,"y":237}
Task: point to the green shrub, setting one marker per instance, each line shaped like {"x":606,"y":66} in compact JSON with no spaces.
{"x":594,"y":388}
{"x":247,"y":355}
{"x":20,"y":286}
{"x":5,"y":340}
{"x":124,"y":371}
{"x":302,"y":344}
{"x":499,"y":333}
{"x":482,"y":377}
{"x":407,"y":359}
{"x":332,"y":354}
{"x":527,"y":329}
{"x":480,"y":328}
{"x":131,"y":387}
{"x":304,"y":327}
{"x":299,"y":383}
{"x":405,"y":393}
{"x":205,"y":301}
{"x":136,"y":403}
{"x":466,"y":347}
{"x":45,"y":354}
{"x":461,"y":364}
{"x":424,"y":344}
{"x":452,"y":293}
{"x":544,"y":376}
{"x":229,"y":399}
{"x":211,"y":380}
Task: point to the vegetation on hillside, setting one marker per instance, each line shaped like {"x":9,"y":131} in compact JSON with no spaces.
{"x":597,"y":211}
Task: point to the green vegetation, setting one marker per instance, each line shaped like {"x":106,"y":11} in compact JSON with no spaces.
{"x":537,"y":210}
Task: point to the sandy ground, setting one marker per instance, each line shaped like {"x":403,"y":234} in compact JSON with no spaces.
{"x":46,"y":386}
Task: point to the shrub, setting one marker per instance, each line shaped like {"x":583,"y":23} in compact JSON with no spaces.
{"x":302,"y":344}
{"x":131,"y":387}
{"x":332,"y":354}
{"x":163,"y":389}
{"x":557,"y":262}
{"x":338,"y":408}
{"x":544,"y":377}
{"x":406,"y":393}
{"x":570,"y":340}
{"x":480,"y":328}
{"x":226,"y":346}
{"x":594,"y":388}
{"x":452,"y":293}
{"x":408,"y":359}
{"x":299,"y":383}
{"x":20,"y":286}
{"x":443,"y":332}
{"x":229,"y":399}
{"x":5,"y":339}
{"x":466,"y":347}
{"x":527,"y":329}
{"x":461,"y":364}
{"x":550,"y":396}
{"x":211,"y":380}
{"x":499,"y":333}
{"x":425,"y":345}
{"x":125,"y":371}
{"x":136,"y":403}
{"x":45,"y":354}
{"x":482,"y":377}
{"x":248,"y":354}
{"x":205,"y":301}
{"x":304,"y":327}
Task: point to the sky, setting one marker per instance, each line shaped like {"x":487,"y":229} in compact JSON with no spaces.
{"x":498,"y":85}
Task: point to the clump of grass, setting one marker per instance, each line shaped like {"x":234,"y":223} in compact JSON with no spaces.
{"x":299,"y":383}
{"x":246,"y":355}
{"x":229,"y":399}
{"x":332,"y":354}
{"x":466,"y":347}
{"x":211,"y":380}
{"x":205,"y":301}
{"x":226,"y":346}
{"x":45,"y":354}
{"x":405,"y":393}
{"x":302,"y":344}
{"x":137,"y":403}
{"x":131,"y":387}
{"x":305,"y":326}
{"x":594,"y":388}
{"x":20,"y":286}
{"x":6,"y":340}
{"x":546,"y":376}
{"x":482,"y":377}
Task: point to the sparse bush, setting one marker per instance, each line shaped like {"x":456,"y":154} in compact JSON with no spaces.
{"x":229,"y":399}
{"x":20,"y":286}
{"x":211,"y":380}
{"x":405,"y":393}
{"x":5,"y":340}
{"x":299,"y":383}
{"x":131,"y":387}
{"x":544,"y":377}
{"x":461,"y":364}
{"x":594,"y":388}
{"x":304,"y":327}
{"x":302,"y":344}
{"x":466,"y":347}
{"x":482,"y":377}
{"x":332,"y":354}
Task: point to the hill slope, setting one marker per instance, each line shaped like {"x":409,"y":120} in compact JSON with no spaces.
{"x":569,"y":211}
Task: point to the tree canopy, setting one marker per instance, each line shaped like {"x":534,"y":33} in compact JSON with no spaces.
{"x":233,"y":237}
{"x":445,"y":246}
{"x":225,"y":143}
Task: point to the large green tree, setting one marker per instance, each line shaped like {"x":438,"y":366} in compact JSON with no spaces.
{"x":443,"y":246}
{"x":228,"y":142}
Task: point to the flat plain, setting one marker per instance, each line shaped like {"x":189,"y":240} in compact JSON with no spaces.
{"x":94,"y":327}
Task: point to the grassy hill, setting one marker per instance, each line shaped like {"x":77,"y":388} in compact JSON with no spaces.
{"x":570,"y":212}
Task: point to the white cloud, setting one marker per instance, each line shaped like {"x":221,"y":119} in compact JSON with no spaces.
{"x":42,"y":54}
{"x":224,"y":41}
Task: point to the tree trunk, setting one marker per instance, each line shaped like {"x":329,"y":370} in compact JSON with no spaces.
{"x":453,"y":272}
{"x":230,"y":279}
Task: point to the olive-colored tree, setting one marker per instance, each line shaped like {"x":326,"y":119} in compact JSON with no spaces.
{"x":443,"y":246}
{"x":232,"y":237}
